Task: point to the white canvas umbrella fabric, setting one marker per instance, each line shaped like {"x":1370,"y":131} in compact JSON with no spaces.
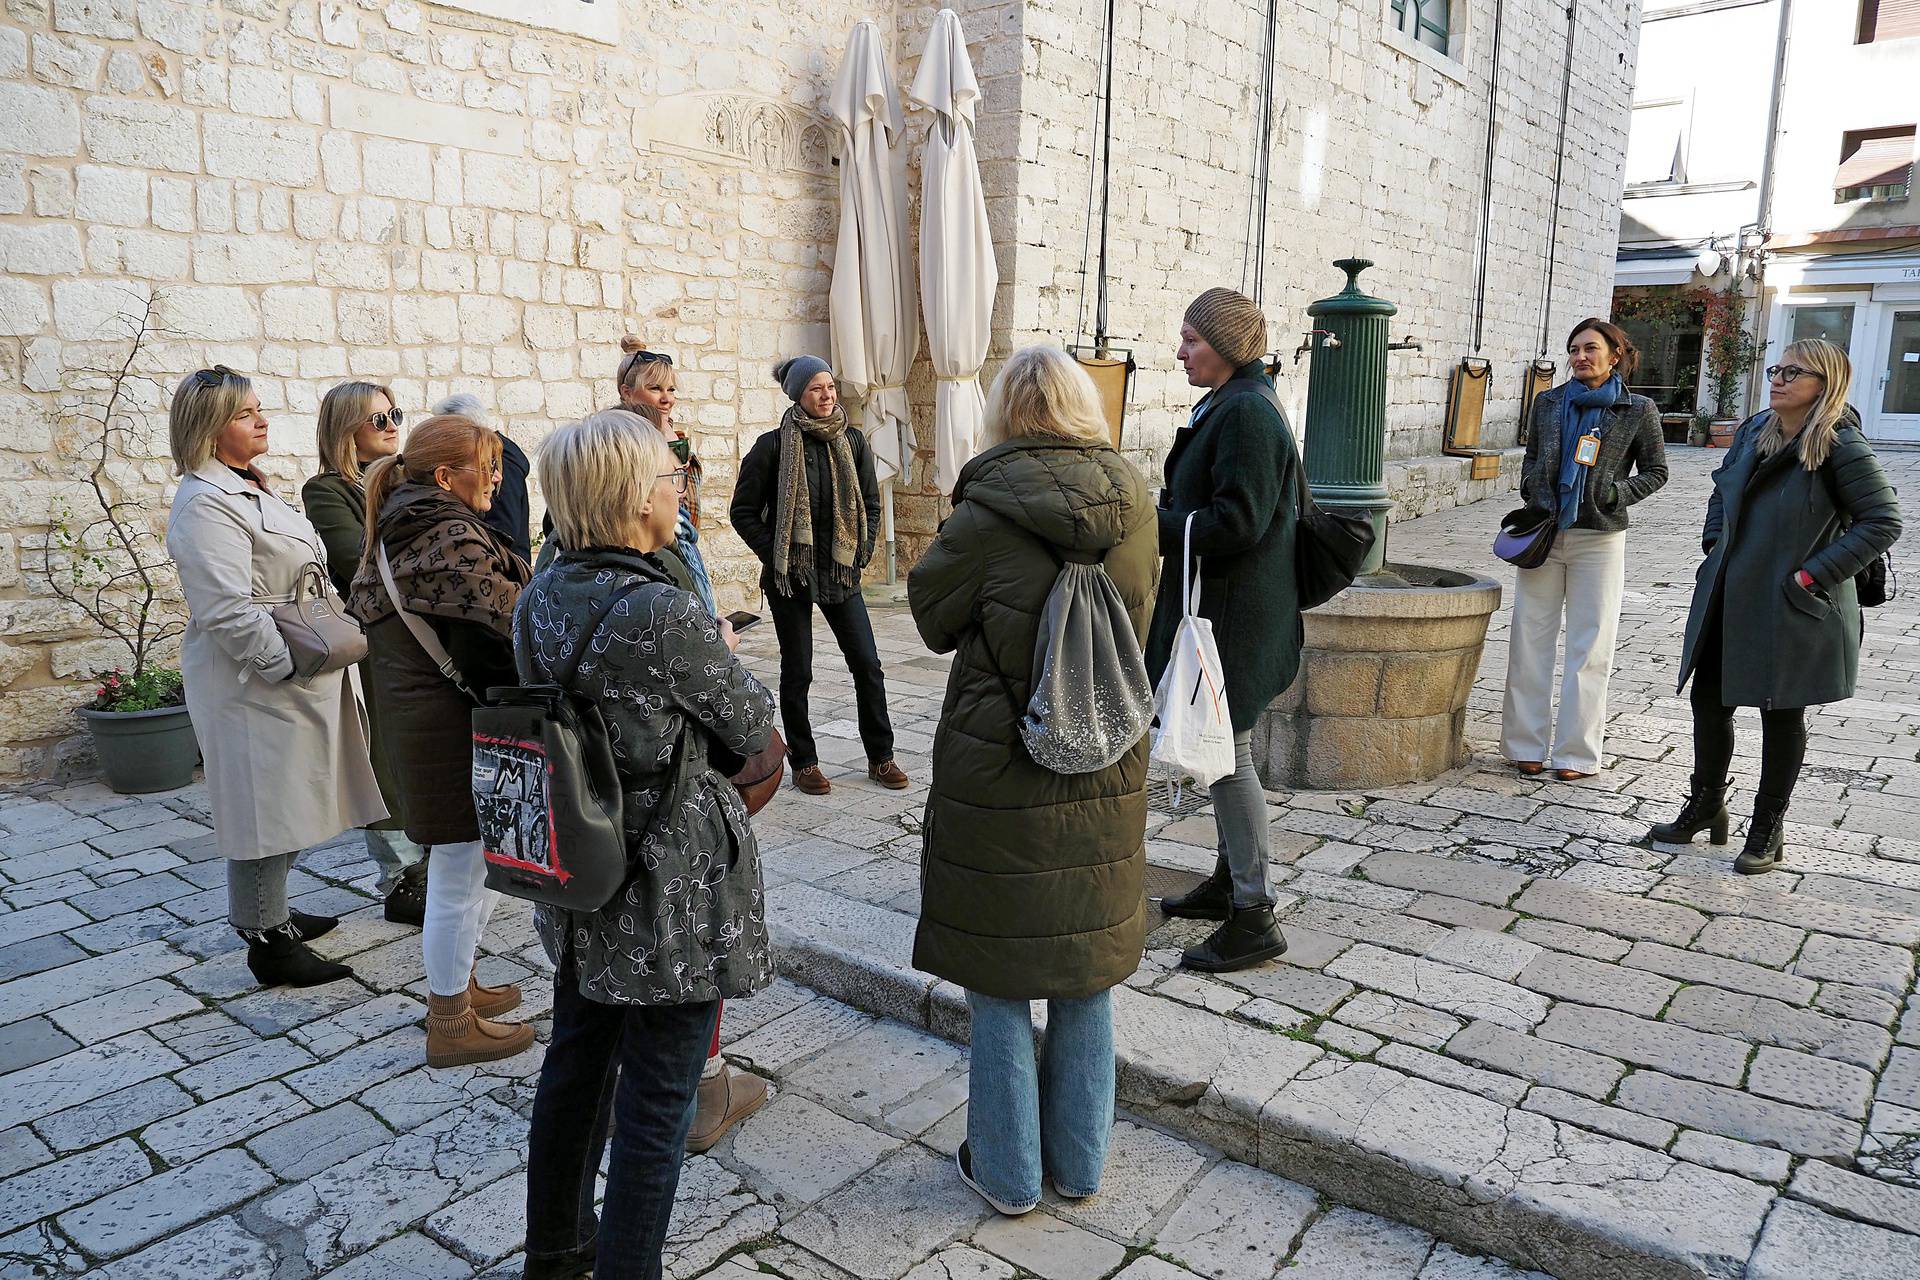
{"x":958,"y":273}
{"x":876,"y":331}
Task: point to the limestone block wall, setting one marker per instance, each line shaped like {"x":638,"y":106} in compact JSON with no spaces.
{"x":471,"y":196}
{"x":1375,"y":153}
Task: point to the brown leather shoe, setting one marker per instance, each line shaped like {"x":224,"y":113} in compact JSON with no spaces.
{"x":889,"y":775}
{"x":810,"y":780}
{"x":723,"y":1102}
{"x":457,"y":1036}
{"x":491,"y":1002}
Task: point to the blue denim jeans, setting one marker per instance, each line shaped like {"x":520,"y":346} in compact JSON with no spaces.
{"x":1050,"y":1113}
{"x":393,"y":853}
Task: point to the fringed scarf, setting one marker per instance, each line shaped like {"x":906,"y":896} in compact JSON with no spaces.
{"x":796,"y":561}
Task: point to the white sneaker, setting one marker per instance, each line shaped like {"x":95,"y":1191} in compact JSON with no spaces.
{"x":964,"y":1162}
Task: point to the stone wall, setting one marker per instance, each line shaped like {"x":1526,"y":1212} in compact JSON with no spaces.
{"x":445,"y":199}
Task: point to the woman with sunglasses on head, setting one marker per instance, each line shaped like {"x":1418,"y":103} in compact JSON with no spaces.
{"x":435,"y":592}
{"x":1799,"y":506}
{"x":648,"y":387}
{"x":808,"y":504}
{"x":1593,"y":451}
{"x":286,"y":758}
{"x":360,"y":424}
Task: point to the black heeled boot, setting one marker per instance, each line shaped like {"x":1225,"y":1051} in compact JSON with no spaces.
{"x":1705,"y":809}
{"x":309,"y":926}
{"x":1766,"y":836}
{"x":278,"y":958}
{"x":1211,"y":899}
{"x":1249,"y":937}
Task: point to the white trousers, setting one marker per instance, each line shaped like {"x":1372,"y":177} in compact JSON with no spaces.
{"x":459,"y":904}
{"x":1581,"y":581}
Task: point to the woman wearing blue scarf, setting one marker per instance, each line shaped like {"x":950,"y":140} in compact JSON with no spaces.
{"x":1594,"y":451}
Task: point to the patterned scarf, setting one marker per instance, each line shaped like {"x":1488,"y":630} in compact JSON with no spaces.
{"x":794,"y":560}
{"x":445,"y":561}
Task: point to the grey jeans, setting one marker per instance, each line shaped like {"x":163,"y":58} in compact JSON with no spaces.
{"x":1240,"y":814}
{"x":257,"y":892}
{"x":393,"y":853}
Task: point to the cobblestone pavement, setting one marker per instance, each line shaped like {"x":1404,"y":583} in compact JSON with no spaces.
{"x":1503,"y":1020}
{"x":168,"y":1121}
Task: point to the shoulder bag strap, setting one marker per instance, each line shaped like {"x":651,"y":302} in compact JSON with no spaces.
{"x":563,"y":676}
{"x":422,"y":633}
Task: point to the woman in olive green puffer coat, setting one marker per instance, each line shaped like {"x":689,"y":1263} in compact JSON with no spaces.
{"x":1031,"y":883}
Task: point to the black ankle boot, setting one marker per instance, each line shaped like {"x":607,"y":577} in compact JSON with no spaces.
{"x":1766,"y":836}
{"x":407,"y":900}
{"x":1705,"y":809}
{"x":279,"y":958}
{"x":1211,"y":899}
{"x":1248,"y":938}
{"x":310,"y":927}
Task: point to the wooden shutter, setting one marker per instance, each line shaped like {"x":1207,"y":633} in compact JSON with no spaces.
{"x":1875,"y":162}
{"x":1889,"y":20}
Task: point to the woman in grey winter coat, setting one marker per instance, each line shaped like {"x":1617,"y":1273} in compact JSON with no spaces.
{"x":637,"y":984}
{"x":1588,"y":490}
{"x":1799,"y":507}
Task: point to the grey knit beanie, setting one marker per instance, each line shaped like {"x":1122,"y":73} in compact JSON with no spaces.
{"x":1231,"y":323}
{"x":795,"y":374}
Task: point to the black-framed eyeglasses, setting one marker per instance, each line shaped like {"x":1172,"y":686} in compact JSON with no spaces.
{"x":638,"y":358}
{"x":379,"y":421}
{"x":679,"y":477}
{"x":1786,"y":373}
{"x":213,"y":377}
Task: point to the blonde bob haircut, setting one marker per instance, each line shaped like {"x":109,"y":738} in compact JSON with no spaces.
{"x":203,"y":404}
{"x":342,"y":411}
{"x":1042,"y":393}
{"x":597,"y":475}
{"x":1822,"y":427}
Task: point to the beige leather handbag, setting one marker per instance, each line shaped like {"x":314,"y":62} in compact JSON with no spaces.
{"x":314,"y":623}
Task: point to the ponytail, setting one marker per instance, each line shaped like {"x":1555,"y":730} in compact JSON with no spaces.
{"x":379,"y":481}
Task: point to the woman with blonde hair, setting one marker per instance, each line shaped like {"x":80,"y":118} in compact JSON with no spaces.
{"x":360,"y":424}
{"x":435,"y":591}
{"x":1799,"y":507}
{"x":1031,"y":879}
{"x":638,"y":983}
{"x":286,"y":758}
{"x":648,"y":387}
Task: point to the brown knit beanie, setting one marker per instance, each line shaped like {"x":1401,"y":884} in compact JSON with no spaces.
{"x":1231,"y":323}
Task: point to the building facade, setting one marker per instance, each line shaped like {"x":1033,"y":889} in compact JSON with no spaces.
{"x":484,"y":195}
{"x":1773,"y":145}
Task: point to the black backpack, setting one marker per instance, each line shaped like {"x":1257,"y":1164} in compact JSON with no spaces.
{"x":545,"y":789}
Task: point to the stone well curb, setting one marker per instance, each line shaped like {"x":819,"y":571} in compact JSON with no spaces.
{"x":1516,"y":1184}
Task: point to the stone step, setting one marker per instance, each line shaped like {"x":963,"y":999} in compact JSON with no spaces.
{"x":1536,"y":1191}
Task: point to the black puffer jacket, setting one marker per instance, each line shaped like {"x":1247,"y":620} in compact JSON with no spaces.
{"x":1030,"y":880}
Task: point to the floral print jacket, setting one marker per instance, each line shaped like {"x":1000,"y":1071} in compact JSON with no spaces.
{"x":690,"y":923}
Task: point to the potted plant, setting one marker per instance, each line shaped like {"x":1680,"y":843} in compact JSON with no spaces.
{"x":113,"y":567}
{"x":1731,"y":353}
{"x":1699,"y":434}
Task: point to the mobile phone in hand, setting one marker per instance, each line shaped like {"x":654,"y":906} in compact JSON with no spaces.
{"x":741,"y":620}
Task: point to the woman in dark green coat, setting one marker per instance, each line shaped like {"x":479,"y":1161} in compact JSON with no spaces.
{"x":359,"y":423}
{"x":1031,"y":883}
{"x":1799,"y":506}
{"x":1233,"y":469}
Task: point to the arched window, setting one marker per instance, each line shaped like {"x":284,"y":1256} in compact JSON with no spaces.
{"x":1424,"y":21}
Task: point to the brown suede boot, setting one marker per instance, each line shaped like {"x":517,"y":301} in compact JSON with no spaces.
{"x":723,"y":1102}
{"x":491,"y":1002}
{"x":456,"y":1035}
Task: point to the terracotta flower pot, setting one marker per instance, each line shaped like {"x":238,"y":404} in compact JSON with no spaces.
{"x":1720,"y":434}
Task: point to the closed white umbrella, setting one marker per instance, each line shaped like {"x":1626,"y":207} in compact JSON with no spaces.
{"x":876,"y":332}
{"x":958,"y":273}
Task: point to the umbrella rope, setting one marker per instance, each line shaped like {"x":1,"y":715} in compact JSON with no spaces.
{"x":1253,"y":254}
{"x":1093,"y":158}
{"x":1559,"y":170}
{"x":1486,"y":182}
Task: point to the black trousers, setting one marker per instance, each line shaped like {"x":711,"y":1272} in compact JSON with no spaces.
{"x":793,"y":623}
{"x":1783,"y":730}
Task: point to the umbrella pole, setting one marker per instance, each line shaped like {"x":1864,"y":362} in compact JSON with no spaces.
{"x":886,"y":523}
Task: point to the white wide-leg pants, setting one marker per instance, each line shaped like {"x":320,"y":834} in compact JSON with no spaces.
{"x":1582,"y":582}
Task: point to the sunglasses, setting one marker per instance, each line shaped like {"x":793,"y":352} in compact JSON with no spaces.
{"x":1786,"y":373}
{"x":379,"y":421}
{"x":641,"y":357}
{"x":213,"y":377}
{"x":682,"y":449}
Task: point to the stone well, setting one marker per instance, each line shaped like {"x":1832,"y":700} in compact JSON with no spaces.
{"x":1384,"y":678}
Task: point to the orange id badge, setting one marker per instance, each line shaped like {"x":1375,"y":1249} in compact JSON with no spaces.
{"x":1586,"y":450}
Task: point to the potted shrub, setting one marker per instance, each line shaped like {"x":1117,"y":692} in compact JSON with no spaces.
{"x":1699,"y":434}
{"x":1731,"y":353}
{"x":112,"y":566}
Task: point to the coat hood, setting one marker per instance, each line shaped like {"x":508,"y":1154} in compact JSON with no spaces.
{"x":1078,"y":496}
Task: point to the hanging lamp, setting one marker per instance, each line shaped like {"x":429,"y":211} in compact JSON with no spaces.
{"x":1111,"y":368}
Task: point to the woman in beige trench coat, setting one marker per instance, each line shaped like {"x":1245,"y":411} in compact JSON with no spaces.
{"x":286,"y":759}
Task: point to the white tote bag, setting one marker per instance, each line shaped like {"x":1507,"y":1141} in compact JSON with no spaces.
{"x":1195,"y":737}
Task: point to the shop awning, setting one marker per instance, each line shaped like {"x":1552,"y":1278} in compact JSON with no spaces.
{"x":1877,"y":162}
{"x":1656,"y":268}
